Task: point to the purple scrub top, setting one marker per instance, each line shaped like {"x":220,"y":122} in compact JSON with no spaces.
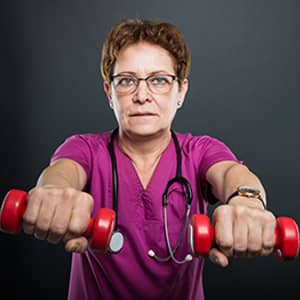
{"x":131,"y":273}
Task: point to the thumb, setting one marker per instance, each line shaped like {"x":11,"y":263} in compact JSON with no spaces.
{"x":79,"y":245}
{"x":218,"y":258}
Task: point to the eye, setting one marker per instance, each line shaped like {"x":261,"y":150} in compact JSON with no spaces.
{"x":125,"y":81}
{"x":160,"y":80}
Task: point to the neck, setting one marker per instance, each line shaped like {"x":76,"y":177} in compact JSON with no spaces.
{"x":144,"y":150}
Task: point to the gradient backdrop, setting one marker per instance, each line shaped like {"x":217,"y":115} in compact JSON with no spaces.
{"x":244,"y":89}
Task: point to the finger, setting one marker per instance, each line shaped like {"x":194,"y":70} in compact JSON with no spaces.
{"x":81,"y":214}
{"x":31,"y":213}
{"x":218,"y":258}
{"x":86,"y":201}
{"x":268,"y":235}
{"x":78,"y":245}
{"x":60,"y":222}
{"x":223,"y":222}
{"x":254,"y":239}
{"x":44,"y":219}
{"x":240,"y":237}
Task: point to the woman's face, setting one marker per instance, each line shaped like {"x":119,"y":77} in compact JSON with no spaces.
{"x":144,"y":112}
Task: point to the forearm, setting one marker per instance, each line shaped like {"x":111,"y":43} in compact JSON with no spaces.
{"x":57,"y":208}
{"x":63,"y":173}
{"x":243,"y":228}
{"x":225,"y":178}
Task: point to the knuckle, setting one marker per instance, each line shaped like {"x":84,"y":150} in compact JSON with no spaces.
{"x":35,"y":192}
{"x":28,"y":229}
{"x":222,"y":210}
{"x":266,"y":252}
{"x":53,"y":193}
{"x":43,"y":223}
{"x":268,"y":244}
{"x":240,"y":249}
{"x":269,"y":217}
{"x":43,"y":194}
{"x":90,"y":202}
{"x":41,"y":229}
{"x":87,"y":198}
{"x":224,"y":244}
{"x":29,"y":219}
{"x":240,"y":246}
{"x":58,"y":229}
{"x":254,"y":247}
{"x":240,"y":211}
{"x":76,"y":229}
{"x":40,"y":234}
{"x":69,"y":192}
{"x":90,"y":199}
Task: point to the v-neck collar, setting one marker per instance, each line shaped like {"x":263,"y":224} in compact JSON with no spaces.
{"x":165,"y":163}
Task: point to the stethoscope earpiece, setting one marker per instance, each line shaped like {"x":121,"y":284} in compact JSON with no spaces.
{"x":187,"y":258}
{"x":151,"y":253}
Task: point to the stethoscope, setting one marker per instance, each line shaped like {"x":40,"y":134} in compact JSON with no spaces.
{"x":117,"y":240}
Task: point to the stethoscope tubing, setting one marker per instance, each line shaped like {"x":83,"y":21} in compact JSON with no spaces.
{"x":177,"y":179}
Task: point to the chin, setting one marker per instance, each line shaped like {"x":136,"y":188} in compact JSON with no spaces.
{"x":145,"y":130}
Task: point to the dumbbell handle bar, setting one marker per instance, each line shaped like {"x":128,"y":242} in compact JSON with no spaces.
{"x":99,"y":229}
{"x":286,"y":237}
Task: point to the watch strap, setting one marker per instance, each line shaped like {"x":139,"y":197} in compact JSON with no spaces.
{"x":238,"y":193}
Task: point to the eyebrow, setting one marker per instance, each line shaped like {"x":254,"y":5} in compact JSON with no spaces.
{"x":149,"y":74}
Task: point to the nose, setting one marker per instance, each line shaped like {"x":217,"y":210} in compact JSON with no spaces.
{"x":142,"y":93}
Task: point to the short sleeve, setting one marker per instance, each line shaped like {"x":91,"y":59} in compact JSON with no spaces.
{"x":214,"y":151}
{"x":77,"y":149}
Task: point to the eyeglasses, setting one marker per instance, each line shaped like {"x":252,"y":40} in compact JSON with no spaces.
{"x":157,"y":84}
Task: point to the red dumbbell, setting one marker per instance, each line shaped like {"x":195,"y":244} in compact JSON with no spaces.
{"x":99,"y":230}
{"x":202,"y":237}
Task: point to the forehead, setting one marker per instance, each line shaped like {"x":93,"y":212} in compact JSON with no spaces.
{"x":144,"y":58}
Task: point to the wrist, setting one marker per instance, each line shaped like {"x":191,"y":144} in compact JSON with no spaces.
{"x":246,"y":201}
{"x":244,"y":193}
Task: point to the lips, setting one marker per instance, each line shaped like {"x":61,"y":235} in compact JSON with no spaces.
{"x":145,"y":114}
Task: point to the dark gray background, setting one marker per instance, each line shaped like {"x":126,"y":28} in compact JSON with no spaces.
{"x":244,"y":89}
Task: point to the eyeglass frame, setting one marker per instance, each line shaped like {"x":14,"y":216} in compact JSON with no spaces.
{"x":139,"y":79}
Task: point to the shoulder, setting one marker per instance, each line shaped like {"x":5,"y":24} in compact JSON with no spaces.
{"x":86,"y":146}
{"x":83,"y":149}
{"x":87,"y":140}
{"x":204,"y":150}
{"x":202,"y":143}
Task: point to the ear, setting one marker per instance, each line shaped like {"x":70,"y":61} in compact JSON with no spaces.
{"x":183,"y":88}
{"x":107,"y":90}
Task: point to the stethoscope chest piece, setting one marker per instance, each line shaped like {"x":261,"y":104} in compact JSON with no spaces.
{"x":116,"y":242}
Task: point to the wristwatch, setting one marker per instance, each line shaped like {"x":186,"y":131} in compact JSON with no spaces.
{"x":249,"y":192}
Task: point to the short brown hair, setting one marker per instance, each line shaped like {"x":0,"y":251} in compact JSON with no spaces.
{"x":132,"y":31}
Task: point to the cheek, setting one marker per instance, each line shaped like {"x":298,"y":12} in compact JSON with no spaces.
{"x":120,"y":106}
{"x":115,"y":101}
{"x":172,"y":107}
{"x":172,"y":103}
{"x":168,"y":110}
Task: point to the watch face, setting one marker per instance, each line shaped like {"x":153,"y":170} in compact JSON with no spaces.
{"x":248,"y":190}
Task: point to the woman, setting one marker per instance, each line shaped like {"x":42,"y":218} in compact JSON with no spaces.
{"x":145,"y":66}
